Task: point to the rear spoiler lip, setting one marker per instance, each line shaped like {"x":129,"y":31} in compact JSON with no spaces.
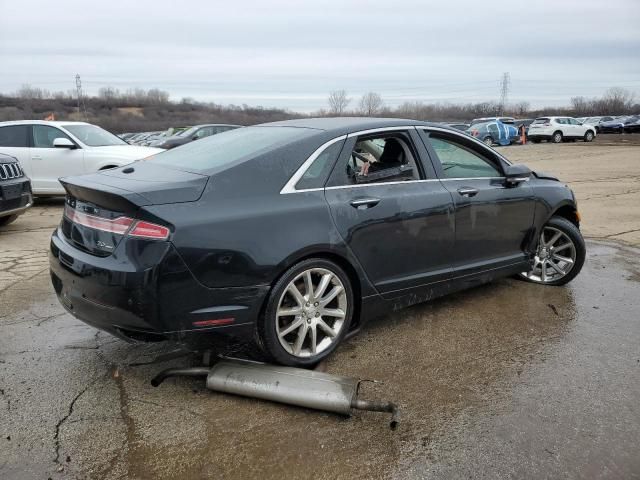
{"x":95,"y":192}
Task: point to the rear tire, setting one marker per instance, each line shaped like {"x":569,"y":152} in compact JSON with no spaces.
{"x":557,"y":137}
{"x":7,"y":220}
{"x":488,"y":141}
{"x":588,"y":137}
{"x":308,"y":313}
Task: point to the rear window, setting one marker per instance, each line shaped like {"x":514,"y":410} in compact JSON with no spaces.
{"x":219,"y":151}
{"x":540,"y":120}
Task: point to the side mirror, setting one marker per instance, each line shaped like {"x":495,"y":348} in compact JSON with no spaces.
{"x":515,"y":174}
{"x":64,"y":143}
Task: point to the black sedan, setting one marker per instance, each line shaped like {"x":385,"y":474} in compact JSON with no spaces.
{"x":294,"y":234}
{"x":15,"y":190}
{"x":196,"y":132}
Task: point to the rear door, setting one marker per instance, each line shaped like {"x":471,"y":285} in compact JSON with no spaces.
{"x":50,"y":163}
{"x":14,"y":141}
{"x":401,"y":228}
{"x":492,"y":221}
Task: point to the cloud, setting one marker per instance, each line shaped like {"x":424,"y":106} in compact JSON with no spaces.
{"x":291,"y":54}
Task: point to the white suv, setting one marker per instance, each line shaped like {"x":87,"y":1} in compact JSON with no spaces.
{"x":557,"y":129}
{"x":50,"y":150}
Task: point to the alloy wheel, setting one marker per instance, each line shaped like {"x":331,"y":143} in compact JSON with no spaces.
{"x":557,"y":137}
{"x":311,"y":312}
{"x":555,"y":257}
{"x":488,"y":141}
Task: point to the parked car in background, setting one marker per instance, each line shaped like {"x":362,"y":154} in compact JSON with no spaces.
{"x":632,"y":125}
{"x":523,"y":122}
{"x":155,"y":261}
{"x":492,"y":119}
{"x":15,"y":190}
{"x":491,"y":133}
{"x":194,"y":133}
{"x":620,"y":125}
{"x":558,"y":129}
{"x":50,"y":150}
{"x":581,"y":119}
{"x":458,"y":126}
{"x":595,"y":121}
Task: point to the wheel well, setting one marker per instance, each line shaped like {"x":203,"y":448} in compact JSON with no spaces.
{"x":342,"y":263}
{"x":569,"y":212}
{"x":559,"y":131}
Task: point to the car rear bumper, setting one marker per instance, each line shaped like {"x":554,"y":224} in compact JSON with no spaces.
{"x":538,"y":136}
{"x":149,"y":302}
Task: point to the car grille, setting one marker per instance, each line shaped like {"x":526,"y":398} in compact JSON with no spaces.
{"x":9,"y":171}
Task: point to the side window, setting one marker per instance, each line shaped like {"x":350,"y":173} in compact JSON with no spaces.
{"x":380,"y":159}
{"x":14,"y":136}
{"x":573,"y":121}
{"x":44,"y":135}
{"x":493,"y":129}
{"x":316,"y":175}
{"x":461,"y":161}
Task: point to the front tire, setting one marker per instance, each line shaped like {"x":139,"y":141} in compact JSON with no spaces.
{"x":308,"y":313}
{"x":588,"y":137}
{"x":560,"y":254}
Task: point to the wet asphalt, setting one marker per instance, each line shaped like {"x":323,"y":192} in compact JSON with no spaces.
{"x":508,"y":380}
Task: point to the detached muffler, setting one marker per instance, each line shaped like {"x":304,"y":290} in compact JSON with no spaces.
{"x":293,"y":386}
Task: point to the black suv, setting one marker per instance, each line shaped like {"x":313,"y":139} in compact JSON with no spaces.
{"x":15,"y":190}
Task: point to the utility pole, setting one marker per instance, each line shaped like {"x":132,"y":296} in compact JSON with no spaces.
{"x":505,"y":83}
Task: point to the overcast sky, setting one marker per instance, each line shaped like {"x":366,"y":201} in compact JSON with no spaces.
{"x":290,"y":53}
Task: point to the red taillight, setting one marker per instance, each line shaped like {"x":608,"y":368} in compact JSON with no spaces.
{"x":149,"y":230}
{"x":475,"y":133}
{"x":119,"y":226}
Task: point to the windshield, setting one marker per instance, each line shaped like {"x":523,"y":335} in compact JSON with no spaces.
{"x":94,"y":136}
{"x":216,"y":152}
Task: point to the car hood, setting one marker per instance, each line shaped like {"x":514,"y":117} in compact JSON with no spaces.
{"x":124,"y":152}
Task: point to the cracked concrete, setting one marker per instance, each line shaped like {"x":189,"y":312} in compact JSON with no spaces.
{"x":510,"y":380}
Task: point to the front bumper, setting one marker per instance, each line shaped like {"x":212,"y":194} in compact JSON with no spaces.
{"x":15,"y":197}
{"x":147,"y":293}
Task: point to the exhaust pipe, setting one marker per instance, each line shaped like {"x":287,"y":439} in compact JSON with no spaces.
{"x":292,"y":386}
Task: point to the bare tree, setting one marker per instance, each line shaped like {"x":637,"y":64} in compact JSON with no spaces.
{"x":617,"y":100}
{"x":581,"y":106}
{"x":521,"y":108}
{"x":370,"y":104}
{"x":338,"y":102}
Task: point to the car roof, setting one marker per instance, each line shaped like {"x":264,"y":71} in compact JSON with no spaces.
{"x":344,"y":125}
{"x":42,"y":122}
{"x":213,"y":125}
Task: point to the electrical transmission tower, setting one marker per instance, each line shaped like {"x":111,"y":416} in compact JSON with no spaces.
{"x":505,"y":84}
{"x":80,"y":99}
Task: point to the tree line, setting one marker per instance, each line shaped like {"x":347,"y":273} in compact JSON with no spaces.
{"x":138,"y":109}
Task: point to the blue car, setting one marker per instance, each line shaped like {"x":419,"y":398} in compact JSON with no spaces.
{"x":495,"y":132}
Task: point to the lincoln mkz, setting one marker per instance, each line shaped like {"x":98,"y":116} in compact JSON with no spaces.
{"x":294,"y":234}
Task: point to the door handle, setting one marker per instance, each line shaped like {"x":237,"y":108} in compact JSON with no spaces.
{"x":362,"y":203}
{"x":36,"y":157}
{"x":468,"y":191}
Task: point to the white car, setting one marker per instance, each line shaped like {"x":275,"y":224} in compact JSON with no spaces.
{"x":50,"y":150}
{"x":558,"y":129}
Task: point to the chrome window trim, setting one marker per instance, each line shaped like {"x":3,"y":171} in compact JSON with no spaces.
{"x":290,"y":186}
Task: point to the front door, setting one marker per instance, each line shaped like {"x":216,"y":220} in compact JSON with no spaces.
{"x":397,"y":222}
{"x":50,"y":163}
{"x":493,"y":222}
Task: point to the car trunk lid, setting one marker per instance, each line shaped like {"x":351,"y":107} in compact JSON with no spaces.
{"x":102,"y":208}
